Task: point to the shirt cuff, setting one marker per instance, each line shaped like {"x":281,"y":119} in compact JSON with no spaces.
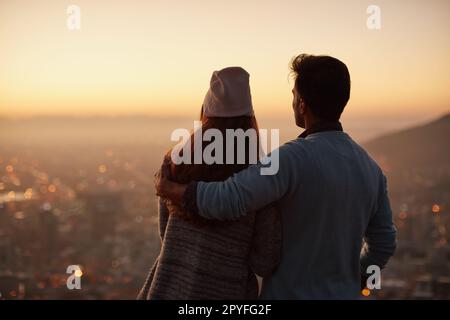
{"x":189,"y":201}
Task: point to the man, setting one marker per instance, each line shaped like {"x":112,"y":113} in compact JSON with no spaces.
{"x":329,"y":191}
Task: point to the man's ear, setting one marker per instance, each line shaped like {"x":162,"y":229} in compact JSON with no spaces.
{"x":302,"y":106}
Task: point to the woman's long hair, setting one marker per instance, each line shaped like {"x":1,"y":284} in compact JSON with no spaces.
{"x":185,"y":173}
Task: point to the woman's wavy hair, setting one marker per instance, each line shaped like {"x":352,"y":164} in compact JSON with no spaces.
{"x":185,"y":173}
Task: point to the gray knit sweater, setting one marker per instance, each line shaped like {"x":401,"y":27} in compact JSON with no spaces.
{"x":213,"y":260}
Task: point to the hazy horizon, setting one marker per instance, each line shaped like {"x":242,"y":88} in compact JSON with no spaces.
{"x":146,"y":128}
{"x":157,"y":57}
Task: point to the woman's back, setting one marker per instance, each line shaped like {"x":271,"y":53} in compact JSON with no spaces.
{"x":204,"y":259}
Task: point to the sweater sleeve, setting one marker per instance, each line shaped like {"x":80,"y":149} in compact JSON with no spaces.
{"x":265,"y":253}
{"x":163,"y":212}
{"x":163,"y":218}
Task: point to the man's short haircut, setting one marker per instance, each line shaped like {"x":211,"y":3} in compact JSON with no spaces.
{"x":323,"y":82}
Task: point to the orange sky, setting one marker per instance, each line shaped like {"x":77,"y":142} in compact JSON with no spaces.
{"x":156,"y":57}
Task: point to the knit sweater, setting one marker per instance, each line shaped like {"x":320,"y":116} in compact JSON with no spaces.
{"x":211,"y":260}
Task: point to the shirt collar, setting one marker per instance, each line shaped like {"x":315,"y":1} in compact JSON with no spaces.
{"x":321,"y":126}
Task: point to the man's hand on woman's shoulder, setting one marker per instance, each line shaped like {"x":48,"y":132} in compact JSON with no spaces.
{"x":166,"y":188}
{"x":161,"y":178}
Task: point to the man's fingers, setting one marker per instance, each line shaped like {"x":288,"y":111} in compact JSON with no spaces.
{"x":162,"y":177}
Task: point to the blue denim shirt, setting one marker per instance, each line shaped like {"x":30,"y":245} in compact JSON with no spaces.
{"x":331,"y":195}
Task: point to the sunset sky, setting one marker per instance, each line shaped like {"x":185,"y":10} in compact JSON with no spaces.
{"x":156,"y":57}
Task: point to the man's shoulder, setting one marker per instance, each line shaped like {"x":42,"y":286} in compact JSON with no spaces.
{"x":363,"y":153}
{"x":294,"y":146}
{"x":293,"y":153}
{"x":300,"y":145}
{"x":296,"y":143}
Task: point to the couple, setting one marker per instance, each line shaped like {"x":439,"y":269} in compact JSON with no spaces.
{"x":310,"y":231}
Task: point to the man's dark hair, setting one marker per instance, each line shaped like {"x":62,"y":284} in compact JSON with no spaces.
{"x":323,"y":82}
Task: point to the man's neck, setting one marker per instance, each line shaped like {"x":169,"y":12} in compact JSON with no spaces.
{"x":310,"y":123}
{"x":320,"y":125}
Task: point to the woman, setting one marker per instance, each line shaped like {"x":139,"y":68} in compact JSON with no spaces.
{"x":203,"y":259}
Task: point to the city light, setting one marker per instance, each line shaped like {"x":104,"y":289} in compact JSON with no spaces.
{"x":365,"y":292}
{"x":435,"y":208}
{"x":28,"y":193}
{"x":78,"y":273}
{"x":11,"y":195}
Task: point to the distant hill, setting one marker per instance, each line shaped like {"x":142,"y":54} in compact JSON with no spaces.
{"x":415,"y":148}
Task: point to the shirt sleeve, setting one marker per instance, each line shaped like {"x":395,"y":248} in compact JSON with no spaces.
{"x":250,"y":189}
{"x":380,"y":235}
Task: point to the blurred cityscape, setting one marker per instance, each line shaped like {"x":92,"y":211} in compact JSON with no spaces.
{"x":417,"y":164}
{"x":68,"y":199}
{"x":80,"y":192}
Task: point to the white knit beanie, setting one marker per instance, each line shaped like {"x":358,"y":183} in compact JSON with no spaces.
{"x":229,"y":94}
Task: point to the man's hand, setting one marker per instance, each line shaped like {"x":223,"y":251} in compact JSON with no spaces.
{"x":162,"y":184}
{"x":166,"y":188}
